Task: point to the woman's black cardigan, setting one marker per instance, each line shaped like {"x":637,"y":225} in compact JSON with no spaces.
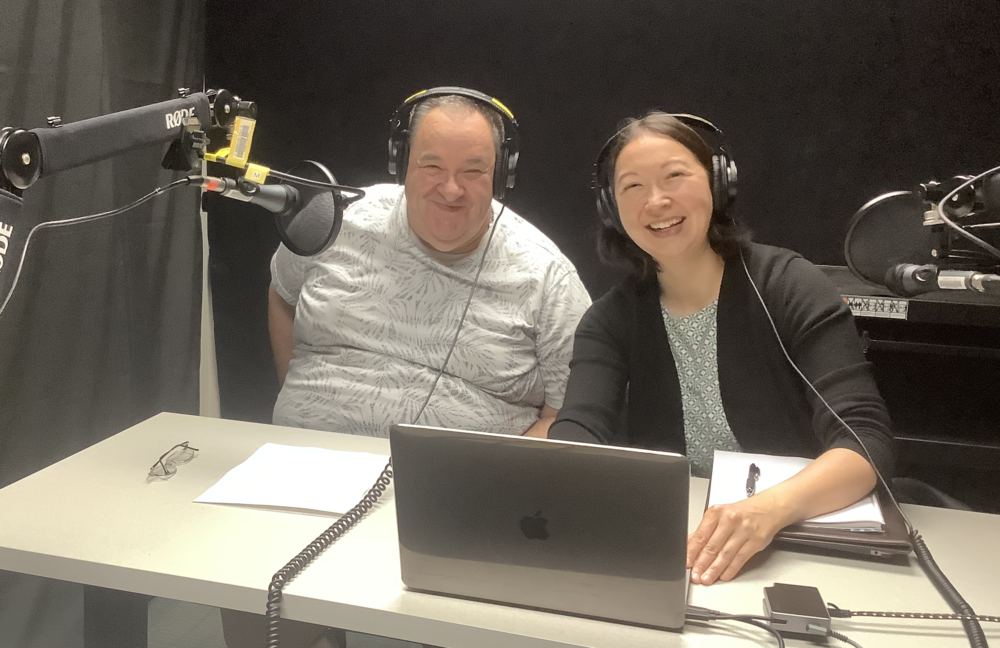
{"x":623,"y":386}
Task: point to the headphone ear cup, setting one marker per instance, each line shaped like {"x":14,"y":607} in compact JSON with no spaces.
{"x":500,"y":170}
{"x":511,"y":167}
{"x":731,"y":180}
{"x":720,"y":184}
{"x":724,"y":188}
{"x":607,"y":210}
{"x":392,"y":156}
{"x":402,"y":156}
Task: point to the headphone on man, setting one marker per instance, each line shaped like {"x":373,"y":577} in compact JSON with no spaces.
{"x":723,"y":173}
{"x":505,"y":169}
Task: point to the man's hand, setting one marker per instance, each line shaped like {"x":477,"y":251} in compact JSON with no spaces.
{"x":728,"y":536}
{"x":540,"y":428}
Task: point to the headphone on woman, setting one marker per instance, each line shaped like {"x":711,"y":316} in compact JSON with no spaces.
{"x":723,"y":173}
{"x":505,"y":169}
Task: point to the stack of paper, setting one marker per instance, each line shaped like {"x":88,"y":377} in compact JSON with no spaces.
{"x":729,"y":484}
{"x":314,"y":479}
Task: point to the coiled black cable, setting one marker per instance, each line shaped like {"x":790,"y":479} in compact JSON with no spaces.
{"x":977,"y":638}
{"x":305,"y":557}
{"x":841,"y":613}
{"x":315,"y":548}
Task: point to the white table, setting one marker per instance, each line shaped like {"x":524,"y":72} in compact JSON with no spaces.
{"x":93,"y":519}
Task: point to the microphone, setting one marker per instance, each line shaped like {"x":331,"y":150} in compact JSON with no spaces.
{"x":910,"y":280}
{"x":33,"y":154}
{"x":281,"y":199}
{"x":308,"y":217}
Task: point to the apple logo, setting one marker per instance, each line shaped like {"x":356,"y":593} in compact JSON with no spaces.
{"x":533,"y":527}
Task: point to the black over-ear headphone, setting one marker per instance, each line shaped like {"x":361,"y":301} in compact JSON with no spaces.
{"x":723,"y":173}
{"x":504,"y":172}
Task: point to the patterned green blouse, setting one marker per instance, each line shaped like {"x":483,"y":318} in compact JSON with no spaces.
{"x":693,"y":344}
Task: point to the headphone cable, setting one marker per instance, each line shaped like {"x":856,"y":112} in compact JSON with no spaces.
{"x":977,"y":639}
{"x":346,"y":522}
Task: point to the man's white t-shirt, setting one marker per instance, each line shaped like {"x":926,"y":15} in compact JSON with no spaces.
{"x":376,"y":313}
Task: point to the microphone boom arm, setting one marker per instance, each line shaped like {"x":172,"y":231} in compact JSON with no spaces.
{"x":29,"y":155}
{"x":186,"y":122}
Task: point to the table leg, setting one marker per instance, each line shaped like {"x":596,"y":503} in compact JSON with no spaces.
{"x":113,"y":619}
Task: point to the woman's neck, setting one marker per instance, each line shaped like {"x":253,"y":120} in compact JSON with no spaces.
{"x":689,"y":284}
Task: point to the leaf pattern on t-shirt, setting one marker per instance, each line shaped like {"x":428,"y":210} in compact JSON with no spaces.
{"x":376,"y":314}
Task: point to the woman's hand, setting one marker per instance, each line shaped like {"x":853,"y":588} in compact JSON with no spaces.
{"x":729,"y":535}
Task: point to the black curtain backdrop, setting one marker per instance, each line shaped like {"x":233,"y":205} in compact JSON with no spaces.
{"x":825,"y":104}
{"x":104,"y":329}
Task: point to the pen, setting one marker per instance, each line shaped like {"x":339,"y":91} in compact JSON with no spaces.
{"x":752,"y":477}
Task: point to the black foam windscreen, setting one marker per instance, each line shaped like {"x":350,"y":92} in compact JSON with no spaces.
{"x":315,"y":226}
{"x":99,"y":138}
{"x":13,"y":232}
{"x":886,"y":231}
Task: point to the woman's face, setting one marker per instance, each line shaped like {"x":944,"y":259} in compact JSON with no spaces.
{"x":664,"y":198}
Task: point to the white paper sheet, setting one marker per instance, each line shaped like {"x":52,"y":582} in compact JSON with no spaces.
{"x":313,"y":479}
{"x":729,"y":479}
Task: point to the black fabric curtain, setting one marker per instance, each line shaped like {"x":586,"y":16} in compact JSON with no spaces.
{"x":104,"y":328}
{"x":825,"y":106}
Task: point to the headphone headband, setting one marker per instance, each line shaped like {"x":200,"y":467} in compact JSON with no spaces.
{"x":723,"y":172}
{"x":505,"y":168}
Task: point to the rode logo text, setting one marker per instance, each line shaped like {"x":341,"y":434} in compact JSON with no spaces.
{"x":178,"y":117}
{"x":5,"y":234}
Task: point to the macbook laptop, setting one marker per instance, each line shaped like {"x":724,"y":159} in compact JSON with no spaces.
{"x":590,"y":530}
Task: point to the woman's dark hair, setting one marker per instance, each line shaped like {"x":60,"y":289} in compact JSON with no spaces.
{"x":725,"y":234}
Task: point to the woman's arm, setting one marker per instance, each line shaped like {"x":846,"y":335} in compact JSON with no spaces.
{"x":731,"y":533}
{"x":595,"y":392}
{"x":819,"y":334}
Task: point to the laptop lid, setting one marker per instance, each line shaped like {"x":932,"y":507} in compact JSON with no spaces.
{"x":591,"y":530}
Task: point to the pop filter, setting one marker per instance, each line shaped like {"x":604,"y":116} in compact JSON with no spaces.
{"x":315,"y":226}
{"x":886,"y":231}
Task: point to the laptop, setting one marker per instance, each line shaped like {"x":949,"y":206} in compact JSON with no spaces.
{"x":893,"y":540}
{"x":583,"y":529}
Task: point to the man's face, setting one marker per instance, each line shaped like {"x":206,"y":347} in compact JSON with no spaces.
{"x":449,"y":180}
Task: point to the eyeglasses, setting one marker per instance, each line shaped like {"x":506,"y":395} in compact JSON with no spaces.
{"x":166,"y":466}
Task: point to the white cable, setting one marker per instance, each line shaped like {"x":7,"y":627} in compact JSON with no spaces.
{"x":815,"y":391}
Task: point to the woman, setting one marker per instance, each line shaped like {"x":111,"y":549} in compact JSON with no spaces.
{"x":683,"y":357}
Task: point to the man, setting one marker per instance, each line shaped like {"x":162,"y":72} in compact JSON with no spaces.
{"x":362,"y":331}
